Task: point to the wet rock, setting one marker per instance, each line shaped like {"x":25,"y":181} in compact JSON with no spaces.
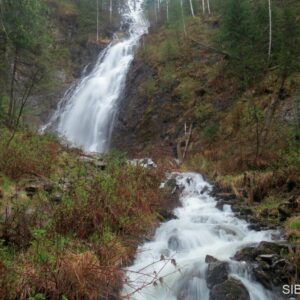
{"x":143,"y":162}
{"x":65,"y":184}
{"x":273,"y":248}
{"x":174,"y":243}
{"x":204,"y":190}
{"x":264,"y":213}
{"x":57,"y":197}
{"x":220,"y":205}
{"x":273,"y":273}
{"x":219,"y":229}
{"x":189,"y":180}
{"x":231,"y":289}
{"x":246,"y":211}
{"x":217,"y":272}
{"x":101,"y":165}
{"x":33,"y":187}
{"x":48,"y":187}
{"x":268,"y":266}
{"x":284,"y":211}
{"x":210,"y":259}
{"x":250,"y":253}
{"x":30,"y":190}
{"x":290,"y":185}
{"x":260,"y":276}
{"x":247,"y":254}
{"x":267,"y":257}
{"x":226,"y":196}
{"x":294,"y":203}
{"x":257,"y":225}
{"x":171,"y":184}
{"x":167,"y":215}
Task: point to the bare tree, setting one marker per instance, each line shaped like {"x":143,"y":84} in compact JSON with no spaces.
{"x":110,"y":10}
{"x":192,"y":8}
{"x":97,"y":5}
{"x":182,"y":14}
{"x":167,"y":3}
{"x":203,"y":6}
{"x":208,"y":6}
{"x":270,"y":30}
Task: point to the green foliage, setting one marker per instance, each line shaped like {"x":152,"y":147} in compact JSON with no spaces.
{"x":211,"y":131}
{"x":98,"y":221}
{"x":168,"y":77}
{"x":244,"y":36}
{"x":286,"y":38}
{"x":38,"y":296}
{"x":169,"y":49}
{"x":149,"y":87}
{"x":187,"y":88}
{"x":239,"y":38}
{"x":295,"y":224}
{"x":27,"y":154}
{"x":204,"y":111}
{"x":25,"y":24}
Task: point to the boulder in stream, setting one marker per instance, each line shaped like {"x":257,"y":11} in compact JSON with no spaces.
{"x":217,"y":272}
{"x":231,"y":289}
{"x":269,"y":263}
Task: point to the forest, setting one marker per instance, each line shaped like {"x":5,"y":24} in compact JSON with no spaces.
{"x":115,"y":115}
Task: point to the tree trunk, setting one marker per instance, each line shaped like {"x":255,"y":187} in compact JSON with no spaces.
{"x":12,"y":104}
{"x":167,"y":3}
{"x":270,"y":31}
{"x":183,"y":22}
{"x":110,"y":11}
{"x":208,"y":6}
{"x":192,"y":9}
{"x":203,"y":6}
{"x":97,"y":37}
{"x":24,"y":99}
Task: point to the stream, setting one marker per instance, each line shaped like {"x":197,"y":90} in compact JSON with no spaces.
{"x":172,"y":266}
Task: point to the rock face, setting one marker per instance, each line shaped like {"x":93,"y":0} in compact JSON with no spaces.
{"x":131,"y":108}
{"x":231,"y":289}
{"x":84,"y":56}
{"x":145,"y":120}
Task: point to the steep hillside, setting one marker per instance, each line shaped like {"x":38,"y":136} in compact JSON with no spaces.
{"x":181,"y":98}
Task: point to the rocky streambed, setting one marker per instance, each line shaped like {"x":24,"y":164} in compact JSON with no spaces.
{"x":209,"y":251}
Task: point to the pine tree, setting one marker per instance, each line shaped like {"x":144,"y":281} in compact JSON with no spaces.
{"x":240,"y":38}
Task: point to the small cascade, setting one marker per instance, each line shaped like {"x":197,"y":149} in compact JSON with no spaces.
{"x":177,"y":253}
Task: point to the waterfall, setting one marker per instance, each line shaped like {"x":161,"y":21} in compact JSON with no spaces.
{"x":200,"y":229}
{"x":85,"y":116}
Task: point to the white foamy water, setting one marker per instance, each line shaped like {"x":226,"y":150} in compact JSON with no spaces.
{"x":86,"y":115}
{"x":201,"y":229}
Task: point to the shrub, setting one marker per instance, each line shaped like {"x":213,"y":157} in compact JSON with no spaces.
{"x":27,"y":154}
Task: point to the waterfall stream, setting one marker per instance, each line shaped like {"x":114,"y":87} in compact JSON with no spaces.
{"x":85,"y":116}
{"x":200,"y":229}
{"x":177,"y":253}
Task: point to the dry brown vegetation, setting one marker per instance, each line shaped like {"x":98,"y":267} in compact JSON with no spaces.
{"x":68,"y":227}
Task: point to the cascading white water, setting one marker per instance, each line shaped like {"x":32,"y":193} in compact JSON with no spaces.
{"x":201,"y":229}
{"x":85,"y":117}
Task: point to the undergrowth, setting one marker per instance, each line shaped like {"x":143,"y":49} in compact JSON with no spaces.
{"x":68,"y":225}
